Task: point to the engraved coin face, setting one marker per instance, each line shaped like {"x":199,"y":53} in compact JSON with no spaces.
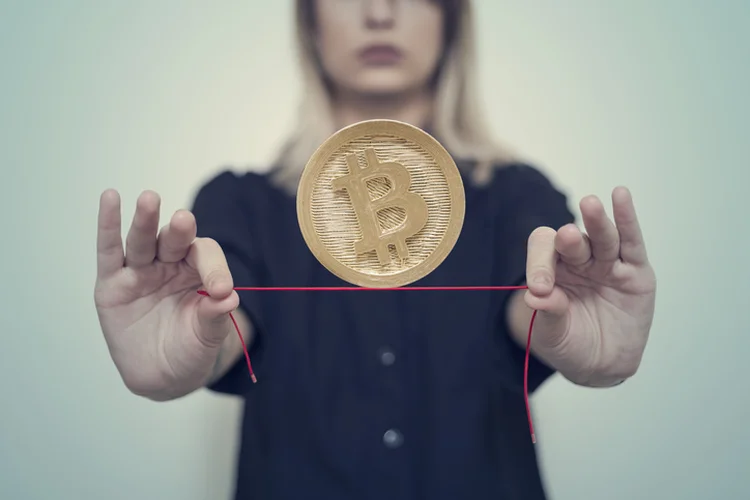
{"x":381,"y":204}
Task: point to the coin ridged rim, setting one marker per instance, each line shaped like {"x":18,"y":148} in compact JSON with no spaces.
{"x":444,"y":160}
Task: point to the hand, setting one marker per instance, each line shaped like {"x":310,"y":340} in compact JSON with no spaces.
{"x":163,"y":337}
{"x":594,"y":294}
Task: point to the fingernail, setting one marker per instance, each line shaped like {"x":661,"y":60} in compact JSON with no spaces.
{"x":542,"y":279}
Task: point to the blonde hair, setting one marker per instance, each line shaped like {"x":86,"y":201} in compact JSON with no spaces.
{"x":457,"y":121}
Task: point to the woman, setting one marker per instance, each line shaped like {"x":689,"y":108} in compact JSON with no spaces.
{"x":378,"y":395}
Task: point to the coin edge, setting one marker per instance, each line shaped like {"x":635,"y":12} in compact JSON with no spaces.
{"x":456,"y":191}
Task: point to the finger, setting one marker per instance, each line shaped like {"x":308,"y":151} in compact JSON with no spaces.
{"x":141,"y":240}
{"x":175,"y":238}
{"x":556,"y":303}
{"x":540,"y":261}
{"x":632,"y":247}
{"x":572,"y":245}
{"x":213,"y":320}
{"x":552,"y":321}
{"x":605,"y":241}
{"x":109,"y":253}
{"x":206,"y":256}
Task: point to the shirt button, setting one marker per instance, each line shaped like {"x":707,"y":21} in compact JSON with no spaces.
{"x":386,"y":356}
{"x":392,"y":438}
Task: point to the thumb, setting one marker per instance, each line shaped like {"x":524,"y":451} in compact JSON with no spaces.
{"x":554,"y":304}
{"x":214,"y":323}
{"x":551,"y":323}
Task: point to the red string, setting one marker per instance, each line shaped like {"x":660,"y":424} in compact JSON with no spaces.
{"x":413,"y":288}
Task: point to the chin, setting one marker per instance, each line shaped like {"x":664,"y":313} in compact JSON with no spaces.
{"x":382,"y":83}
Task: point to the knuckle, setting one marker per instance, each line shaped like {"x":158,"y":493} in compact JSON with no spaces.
{"x":165,"y":239}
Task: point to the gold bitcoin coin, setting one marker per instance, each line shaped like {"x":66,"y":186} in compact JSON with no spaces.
{"x":380,"y":204}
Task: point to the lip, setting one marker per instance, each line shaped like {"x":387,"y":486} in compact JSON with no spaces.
{"x":380,"y":54}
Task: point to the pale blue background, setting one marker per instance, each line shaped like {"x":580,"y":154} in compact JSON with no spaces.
{"x":145,"y":94}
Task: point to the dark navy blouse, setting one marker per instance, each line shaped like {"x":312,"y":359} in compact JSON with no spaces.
{"x":388,"y":395}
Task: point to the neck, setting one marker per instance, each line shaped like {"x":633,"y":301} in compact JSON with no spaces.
{"x":414,"y":108}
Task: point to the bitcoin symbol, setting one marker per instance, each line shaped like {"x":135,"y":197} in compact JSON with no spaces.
{"x":366,"y":209}
{"x":353,"y":213}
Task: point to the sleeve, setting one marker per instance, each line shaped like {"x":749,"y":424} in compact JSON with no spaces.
{"x":222,"y":213}
{"x":525,"y":201}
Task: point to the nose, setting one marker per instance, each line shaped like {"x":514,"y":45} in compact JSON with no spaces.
{"x":379,"y":14}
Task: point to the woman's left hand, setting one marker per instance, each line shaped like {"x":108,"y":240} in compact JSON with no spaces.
{"x":594,"y":294}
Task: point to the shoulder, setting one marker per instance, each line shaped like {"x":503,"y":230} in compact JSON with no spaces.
{"x":243,"y":187}
{"x":510,"y":182}
{"x":519,"y":179}
{"x":522,"y":190}
{"x":230,"y":180}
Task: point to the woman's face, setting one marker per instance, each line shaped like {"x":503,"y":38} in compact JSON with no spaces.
{"x":379,"y":47}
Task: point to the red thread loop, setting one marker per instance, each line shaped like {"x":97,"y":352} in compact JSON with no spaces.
{"x":412,"y":288}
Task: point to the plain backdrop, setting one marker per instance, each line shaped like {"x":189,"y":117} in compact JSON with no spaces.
{"x":161,"y":95}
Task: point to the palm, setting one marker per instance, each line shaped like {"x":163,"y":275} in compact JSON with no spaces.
{"x":136,"y":303}
{"x":160,"y":333}
{"x":140,"y":289}
{"x":596,"y":318}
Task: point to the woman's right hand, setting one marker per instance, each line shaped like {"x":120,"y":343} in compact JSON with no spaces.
{"x":164,"y":338}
